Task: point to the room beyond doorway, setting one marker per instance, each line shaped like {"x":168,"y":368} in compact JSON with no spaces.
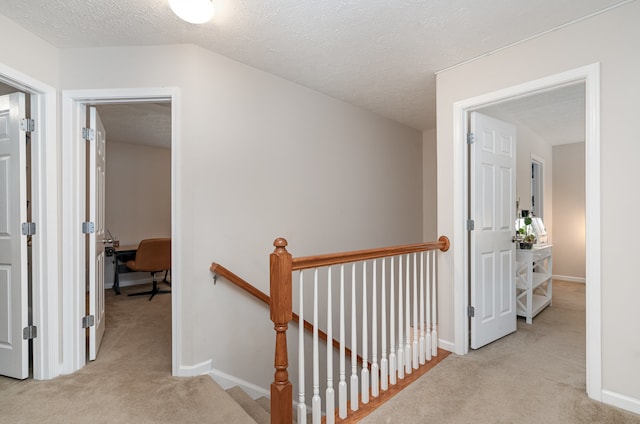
{"x":136,"y":203}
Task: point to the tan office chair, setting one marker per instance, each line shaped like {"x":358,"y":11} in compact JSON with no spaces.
{"x":153,"y":255}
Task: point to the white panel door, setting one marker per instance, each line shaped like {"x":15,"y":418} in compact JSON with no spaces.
{"x":14,"y":350}
{"x":96,"y":197}
{"x":492,"y":207}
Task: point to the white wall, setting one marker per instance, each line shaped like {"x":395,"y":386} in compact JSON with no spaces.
{"x":569,"y":212}
{"x":429,"y":185}
{"x":28,"y":53}
{"x":259,"y":158}
{"x":612,"y":40}
{"x":138,"y":192}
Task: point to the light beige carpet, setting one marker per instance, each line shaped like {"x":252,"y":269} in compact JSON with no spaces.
{"x":535,"y":375}
{"x":130,"y":382}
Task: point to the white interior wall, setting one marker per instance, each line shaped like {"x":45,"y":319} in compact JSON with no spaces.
{"x":260,"y":158}
{"x":31,"y":55}
{"x":610,"y":39}
{"x":430,"y":185}
{"x":138,"y":192}
{"x":569,"y":212}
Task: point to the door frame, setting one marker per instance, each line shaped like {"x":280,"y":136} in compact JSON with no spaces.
{"x":44,"y":209}
{"x":590,"y":76}
{"x":73,"y":164}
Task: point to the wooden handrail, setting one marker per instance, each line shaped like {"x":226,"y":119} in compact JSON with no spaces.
{"x":317,"y":261}
{"x":220,"y":270}
{"x":238,"y":281}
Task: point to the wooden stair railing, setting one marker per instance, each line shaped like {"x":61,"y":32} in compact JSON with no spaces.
{"x":282,"y":264}
{"x":219,"y":270}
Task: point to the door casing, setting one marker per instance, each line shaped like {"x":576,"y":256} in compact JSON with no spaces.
{"x":73,"y":208}
{"x":590,"y":76}
{"x":44,"y":207}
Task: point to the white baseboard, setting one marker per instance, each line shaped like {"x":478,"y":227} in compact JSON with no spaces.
{"x":569,"y":278}
{"x":621,"y":401}
{"x":195,"y":370}
{"x":227,"y":381}
{"x":446,"y":345}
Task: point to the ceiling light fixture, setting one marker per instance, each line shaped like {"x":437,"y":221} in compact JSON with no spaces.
{"x":193,"y":11}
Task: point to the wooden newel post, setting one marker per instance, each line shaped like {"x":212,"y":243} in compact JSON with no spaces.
{"x":281,"y":313}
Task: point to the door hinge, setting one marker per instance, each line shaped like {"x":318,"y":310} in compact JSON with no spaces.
{"x":28,"y":228}
{"x":88,"y":321}
{"x":471,"y":138}
{"x":29,"y":332}
{"x":471,"y":225}
{"x":27,"y":125}
{"x":88,"y":228}
{"x":89,"y":134}
{"x":471,"y":311}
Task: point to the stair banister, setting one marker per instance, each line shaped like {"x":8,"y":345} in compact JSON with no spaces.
{"x":281,"y":266}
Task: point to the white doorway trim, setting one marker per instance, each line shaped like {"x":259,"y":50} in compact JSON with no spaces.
{"x":73,"y":204}
{"x":590,"y":75}
{"x":44,"y":196}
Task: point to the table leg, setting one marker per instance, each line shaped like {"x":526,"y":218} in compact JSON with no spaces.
{"x":116,"y":277}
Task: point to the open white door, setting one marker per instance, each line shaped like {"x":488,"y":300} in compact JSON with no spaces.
{"x":96,"y":197}
{"x":492,"y":251}
{"x":14,"y":349}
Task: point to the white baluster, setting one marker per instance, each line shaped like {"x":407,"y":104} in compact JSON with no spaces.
{"x":302,"y":407}
{"x":421,"y":341}
{"x":364,"y":372}
{"x":354,"y":343}
{"x":375,"y":372}
{"x":330,"y":395}
{"x":393,"y":365}
{"x":415,"y":349}
{"x":407,"y":326}
{"x":400,"y":326}
{"x":427,"y":341}
{"x":316,"y":408}
{"x":434,"y":309}
{"x":342,"y":384}
{"x":384,"y":363}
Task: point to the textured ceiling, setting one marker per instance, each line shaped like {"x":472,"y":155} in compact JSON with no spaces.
{"x":137,"y":123}
{"x":377,"y":54}
{"x":556,"y":116}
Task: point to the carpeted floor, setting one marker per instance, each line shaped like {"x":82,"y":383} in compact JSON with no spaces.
{"x":130,"y":382}
{"x":535,"y":375}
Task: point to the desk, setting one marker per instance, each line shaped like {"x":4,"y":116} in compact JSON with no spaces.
{"x":121,"y":254}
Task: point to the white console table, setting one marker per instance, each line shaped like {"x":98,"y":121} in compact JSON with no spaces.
{"x":533,"y":280}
